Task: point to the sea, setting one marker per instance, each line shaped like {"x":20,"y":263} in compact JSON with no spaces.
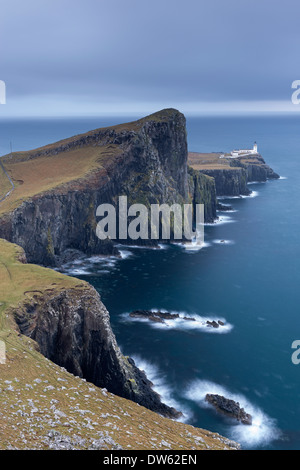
{"x":247,"y":275}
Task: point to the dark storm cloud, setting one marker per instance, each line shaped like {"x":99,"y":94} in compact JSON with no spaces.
{"x":140,"y":51}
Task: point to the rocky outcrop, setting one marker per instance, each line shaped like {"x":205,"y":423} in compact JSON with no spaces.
{"x":255,"y":167}
{"x":229,"y":407}
{"x":149,"y":165}
{"x":231,"y":175}
{"x":157,"y":315}
{"x":229,"y":182}
{"x":202,"y":190}
{"x":72,"y":329}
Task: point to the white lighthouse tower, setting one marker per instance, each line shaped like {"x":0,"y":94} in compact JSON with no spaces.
{"x":255,"y":148}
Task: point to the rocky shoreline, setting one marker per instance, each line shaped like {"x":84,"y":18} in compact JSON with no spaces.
{"x":159,"y":316}
{"x":146,"y":160}
{"x":232,"y":175}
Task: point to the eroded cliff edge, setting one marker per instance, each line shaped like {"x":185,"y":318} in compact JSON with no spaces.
{"x":52,"y":211}
{"x":231,"y":175}
{"x":43,"y":406}
{"x":69,"y":324}
{"x":60,"y":186}
{"x":72,"y":328}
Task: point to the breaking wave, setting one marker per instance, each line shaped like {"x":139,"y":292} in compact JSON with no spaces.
{"x":160,"y":386}
{"x":263,"y":429}
{"x":223,"y":219}
{"x":252,"y":194}
{"x":194,"y":322}
{"x":223,"y":242}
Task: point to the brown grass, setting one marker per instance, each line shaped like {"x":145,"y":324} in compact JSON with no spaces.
{"x":5,"y":184}
{"x":19,"y":281}
{"x":207,"y":161}
{"x":35,"y":176}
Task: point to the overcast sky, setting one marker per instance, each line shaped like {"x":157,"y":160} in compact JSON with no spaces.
{"x":96,"y":57}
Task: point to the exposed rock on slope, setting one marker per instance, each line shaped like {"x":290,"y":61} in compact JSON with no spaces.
{"x":72,"y":329}
{"x":70,"y":325}
{"x":43,"y":406}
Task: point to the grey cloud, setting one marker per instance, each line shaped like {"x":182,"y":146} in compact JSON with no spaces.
{"x":133,"y":50}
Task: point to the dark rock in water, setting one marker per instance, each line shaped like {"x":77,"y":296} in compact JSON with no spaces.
{"x":157,"y":316}
{"x":212,"y":323}
{"x":156,"y":319}
{"x":229,"y":407}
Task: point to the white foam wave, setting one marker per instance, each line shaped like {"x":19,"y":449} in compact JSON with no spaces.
{"x":180,"y":323}
{"x":263,"y":429}
{"x":228,"y":211}
{"x":224,"y":242}
{"x":94,"y":264}
{"x":191,"y":247}
{"x":140,"y":247}
{"x":252,"y":194}
{"x":160,"y":386}
{"x":283,"y":177}
{"x":223,"y":219}
{"x":221,"y":198}
{"x":125,"y":254}
{"x":240,"y":196}
{"x":76,"y":271}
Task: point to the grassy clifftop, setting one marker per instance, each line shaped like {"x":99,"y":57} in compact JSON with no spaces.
{"x":21,"y":281}
{"x":57,"y":165}
{"x":208,"y":161}
{"x":43,"y":406}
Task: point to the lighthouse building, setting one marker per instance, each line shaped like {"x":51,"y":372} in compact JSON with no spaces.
{"x":244,"y":153}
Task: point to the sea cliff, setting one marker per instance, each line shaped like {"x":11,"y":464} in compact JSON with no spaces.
{"x":231,"y":175}
{"x":72,"y":328}
{"x":52,"y":212}
{"x":145,"y":160}
{"x":46,"y":316}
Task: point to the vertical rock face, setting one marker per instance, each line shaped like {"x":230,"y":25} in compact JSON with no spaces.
{"x":229,"y":182}
{"x":72,"y":329}
{"x":145,"y":161}
{"x":255,"y":167}
{"x":203,"y":191}
{"x":231,"y":175}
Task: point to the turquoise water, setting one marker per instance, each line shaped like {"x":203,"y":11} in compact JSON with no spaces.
{"x":251,"y":282}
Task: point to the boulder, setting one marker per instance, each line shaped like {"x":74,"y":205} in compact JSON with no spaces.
{"x":229,"y":407}
{"x":157,"y":316}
